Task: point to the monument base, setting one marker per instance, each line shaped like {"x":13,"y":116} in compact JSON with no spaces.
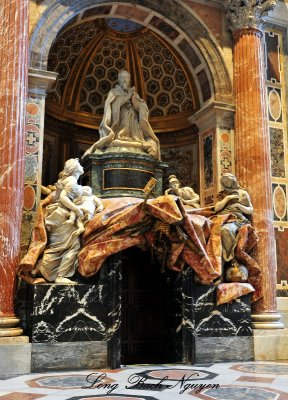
{"x":72,"y":326}
{"x":270,"y":344}
{"x":68,"y":356}
{"x":80,"y":326}
{"x":223,"y":349}
{"x":15,"y":353}
{"x":221,"y":333}
{"x":112,"y":174}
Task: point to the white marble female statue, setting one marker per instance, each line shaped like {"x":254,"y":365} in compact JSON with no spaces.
{"x":125,"y":121}
{"x":232,"y":199}
{"x":63,"y":223}
{"x":186,"y":194}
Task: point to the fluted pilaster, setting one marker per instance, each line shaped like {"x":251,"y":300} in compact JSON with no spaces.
{"x":13,"y":86}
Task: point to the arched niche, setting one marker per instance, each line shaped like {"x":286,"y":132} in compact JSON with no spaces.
{"x":190,"y":36}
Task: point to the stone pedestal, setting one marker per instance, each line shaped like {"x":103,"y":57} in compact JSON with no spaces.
{"x":67,"y":325}
{"x":72,"y":326}
{"x":270,"y":344}
{"x":65,"y":313}
{"x":119,"y":174}
{"x":282,"y":306}
{"x":15,"y":353}
{"x":221,"y":333}
{"x":79,"y":327}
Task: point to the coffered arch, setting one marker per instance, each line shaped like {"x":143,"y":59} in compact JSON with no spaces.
{"x":175,"y":22}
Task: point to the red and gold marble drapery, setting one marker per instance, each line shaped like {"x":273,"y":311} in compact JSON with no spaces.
{"x":175,"y":235}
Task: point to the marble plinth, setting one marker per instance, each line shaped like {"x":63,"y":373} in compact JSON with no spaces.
{"x":122,"y":174}
{"x":270,"y":344}
{"x":68,"y":356}
{"x":15,"y":356}
{"x":73,"y":326}
{"x":221,"y":333}
{"x":65,"y":313}
{"x":282,"y":307}
{"x":211,"y":333}
{"x":229,"y":319}
{"x":223,"y":349}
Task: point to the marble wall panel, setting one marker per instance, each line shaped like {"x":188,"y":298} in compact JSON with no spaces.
{"x":275,"y":53}
{"x":190,"y":53}
{"x":282,"y":254}
{"x":274,"y":104}
{"x":208,"y":161}
{"x":208,"y":166}
{"x":277,"y":152}
{"x":279,"y":202}
{"x":32,"y":173}
{"x":226,"y":156}
{"x":272,"y":46}
{"x":63,"y":313}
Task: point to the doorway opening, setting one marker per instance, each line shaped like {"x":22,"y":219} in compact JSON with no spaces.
{"x":145,"y":324}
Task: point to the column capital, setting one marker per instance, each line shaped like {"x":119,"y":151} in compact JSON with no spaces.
{"x":243,"y":14}
{"x":40,"y":81}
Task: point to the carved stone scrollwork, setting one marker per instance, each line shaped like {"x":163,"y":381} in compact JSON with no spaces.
{"x":247,"y":13}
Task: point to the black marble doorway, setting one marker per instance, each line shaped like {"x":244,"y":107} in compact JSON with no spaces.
{"x":145,"y":322}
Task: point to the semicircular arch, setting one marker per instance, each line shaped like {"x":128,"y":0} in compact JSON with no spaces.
{"x":192,"y":40}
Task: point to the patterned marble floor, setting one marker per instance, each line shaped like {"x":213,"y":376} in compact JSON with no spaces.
{"x":229,"y":381}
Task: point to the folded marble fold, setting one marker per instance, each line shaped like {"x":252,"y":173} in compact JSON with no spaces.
{"x":226,"y":292}
{"x":174,"y":236}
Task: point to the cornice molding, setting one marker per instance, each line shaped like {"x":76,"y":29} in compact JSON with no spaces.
{"x":40,"y":81}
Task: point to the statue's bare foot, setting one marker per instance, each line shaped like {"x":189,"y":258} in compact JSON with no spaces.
{"x":64,"y":281}
{"x":29,"y":278}
{"x":36,"y":281}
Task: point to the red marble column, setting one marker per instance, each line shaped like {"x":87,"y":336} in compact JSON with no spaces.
{"x":13,"y":86}
{"x":253,"y":161}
